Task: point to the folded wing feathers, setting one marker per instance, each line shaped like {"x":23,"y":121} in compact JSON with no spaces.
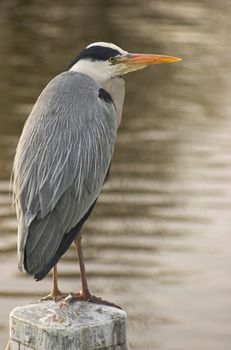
{"x":62,"y":157}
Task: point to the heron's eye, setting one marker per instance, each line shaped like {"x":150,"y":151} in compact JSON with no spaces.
{"x":112,"y":59}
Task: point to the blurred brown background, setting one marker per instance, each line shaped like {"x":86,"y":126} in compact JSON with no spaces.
{"x":159,"y":240}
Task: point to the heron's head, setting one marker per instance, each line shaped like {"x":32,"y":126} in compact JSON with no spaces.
{"x":103,"y":61}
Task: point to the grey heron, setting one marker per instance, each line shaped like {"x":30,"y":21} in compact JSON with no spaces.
{"x":64,"y":155}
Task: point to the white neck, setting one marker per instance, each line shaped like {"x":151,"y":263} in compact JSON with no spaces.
{"x":103,"y":75}
{"x":99,"y":71}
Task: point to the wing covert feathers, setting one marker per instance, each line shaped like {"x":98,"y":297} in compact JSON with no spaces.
{"x":60,"y":165}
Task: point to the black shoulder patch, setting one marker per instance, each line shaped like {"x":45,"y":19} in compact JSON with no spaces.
{"x":104,"y":95}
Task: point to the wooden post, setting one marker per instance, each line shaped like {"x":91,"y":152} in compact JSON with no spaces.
{"x":61,"y":326}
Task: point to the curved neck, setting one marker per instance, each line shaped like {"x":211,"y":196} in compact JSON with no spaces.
{"x":116,"y":88}
{"x":100,"y":72}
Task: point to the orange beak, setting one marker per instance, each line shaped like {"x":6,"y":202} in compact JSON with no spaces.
{"x":145,"y":59}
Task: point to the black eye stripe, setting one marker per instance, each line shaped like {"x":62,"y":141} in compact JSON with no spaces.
{"x":95,"y":53}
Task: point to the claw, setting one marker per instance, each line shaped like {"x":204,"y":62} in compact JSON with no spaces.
{"x":54,"y":296}
{"x":72,"y":297}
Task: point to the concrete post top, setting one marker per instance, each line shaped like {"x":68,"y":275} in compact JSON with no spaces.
{"x":60,"y":325}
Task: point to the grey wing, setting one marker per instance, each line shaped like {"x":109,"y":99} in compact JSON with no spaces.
{"x":60,"y":165}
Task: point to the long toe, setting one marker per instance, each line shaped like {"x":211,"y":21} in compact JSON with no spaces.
{"x":55,"y":296}
{"x":97,"y":300}
{"x":72,"y":297}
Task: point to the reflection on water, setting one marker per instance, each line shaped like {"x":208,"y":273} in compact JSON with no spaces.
{"x":159,"y":240}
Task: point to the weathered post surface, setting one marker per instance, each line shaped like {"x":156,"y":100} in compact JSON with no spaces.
{"x":62,"y":326}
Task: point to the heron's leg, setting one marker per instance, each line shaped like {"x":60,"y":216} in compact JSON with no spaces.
{"x":55,"y":288}
{"x":85,"y":293}
{"x":55,"y":294}
{"x":85,"y":290}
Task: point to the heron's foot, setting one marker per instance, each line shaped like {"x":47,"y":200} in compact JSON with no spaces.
{"x":90,"y":298}
{"x":55,"y":295}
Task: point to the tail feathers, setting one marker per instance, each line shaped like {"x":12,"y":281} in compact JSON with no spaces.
{"x":41,"y":256}
{"x":42,"y":242}
{"x":22,"y":237}
{"x":63,"y":247}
